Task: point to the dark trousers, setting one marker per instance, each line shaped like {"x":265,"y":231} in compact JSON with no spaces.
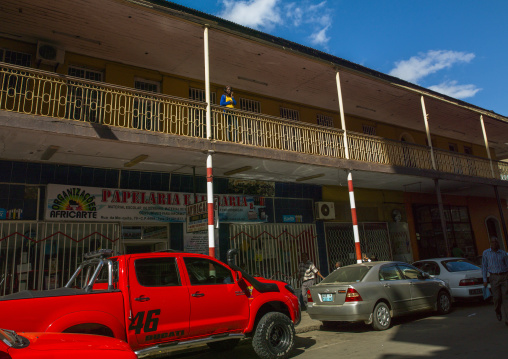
{"x":499,"y":288}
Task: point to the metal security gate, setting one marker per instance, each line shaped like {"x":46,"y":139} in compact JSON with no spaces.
{"x":340,"y":242}
{"x":41,"y":256}
{"x":273,"y":250}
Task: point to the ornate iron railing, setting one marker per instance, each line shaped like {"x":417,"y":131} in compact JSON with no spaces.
{"x":35,"y":92}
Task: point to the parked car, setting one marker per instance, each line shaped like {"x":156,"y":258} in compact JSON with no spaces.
{"x":462,"y":276}
{"x":61,"y":346}
{"x":163,"y":301}
{"x":374,"y":292}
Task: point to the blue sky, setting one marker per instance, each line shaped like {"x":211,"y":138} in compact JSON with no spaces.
{"x":456,"y":47}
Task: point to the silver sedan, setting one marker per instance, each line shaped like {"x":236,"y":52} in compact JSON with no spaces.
{"x":375,"y":292}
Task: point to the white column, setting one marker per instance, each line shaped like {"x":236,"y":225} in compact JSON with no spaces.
{"x":487,"y":146}
{"x":209,"y":201}
{"x":342,"y":118}
{"x":427,"y":130}
{"x":207,"y":87}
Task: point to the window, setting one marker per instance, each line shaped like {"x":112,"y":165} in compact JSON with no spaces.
{"x":146,"y":108}
{"x":389,"y":273}
{"x":157,"y":272}
{"x":207,"y":272}
{"x":369,"y":130}
{"x":452,"y":147}
{"x":84,"y":103}
{"x":199,"y":95}
{"x":289,"y":114}
{"x":430,"y":267}
{"x":250,"y":105}
{"x":468,"y":150}
{"x":347,"y":275}
{"x":15,"y":58}
{"x":323,"y":120}
{"x":408,"y":272}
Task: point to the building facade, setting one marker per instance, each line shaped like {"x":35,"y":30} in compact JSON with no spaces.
{"x":109,"y":112}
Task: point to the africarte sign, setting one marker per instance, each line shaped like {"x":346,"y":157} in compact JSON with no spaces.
{"x":92,"y":204}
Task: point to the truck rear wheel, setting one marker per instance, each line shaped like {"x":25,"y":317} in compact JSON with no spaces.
{"x":274,"y":337}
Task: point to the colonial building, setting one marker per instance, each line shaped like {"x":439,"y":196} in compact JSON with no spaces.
{"x":110,"y":117}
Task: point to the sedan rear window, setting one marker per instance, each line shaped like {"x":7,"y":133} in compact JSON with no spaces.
{"x":459,"y":265}
{"x":347,"y":275}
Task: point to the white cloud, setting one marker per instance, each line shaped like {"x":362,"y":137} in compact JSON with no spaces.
{"x":256,"y":14}
{"x":319,"y":38}
{"x":451,"y":88}
{"x":428,"y":63}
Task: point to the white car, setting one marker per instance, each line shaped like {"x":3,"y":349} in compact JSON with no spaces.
{"x":462,"y":276}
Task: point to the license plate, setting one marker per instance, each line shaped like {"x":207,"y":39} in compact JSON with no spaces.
{"x":327,"y":297}
{"x":475,"y":291}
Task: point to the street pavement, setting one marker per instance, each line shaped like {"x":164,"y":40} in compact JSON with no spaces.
{"x":470,"y":331}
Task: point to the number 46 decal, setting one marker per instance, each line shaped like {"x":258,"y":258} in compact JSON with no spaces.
{"x":151,"y":321}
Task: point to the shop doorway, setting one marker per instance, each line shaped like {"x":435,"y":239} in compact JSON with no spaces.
{"x":144,"y":238}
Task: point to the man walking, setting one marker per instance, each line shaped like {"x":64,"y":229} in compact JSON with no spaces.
{"x":495,"y":262}
{"x":307,"y":273}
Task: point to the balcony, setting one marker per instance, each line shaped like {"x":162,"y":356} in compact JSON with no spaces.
{"x":34,"y":92}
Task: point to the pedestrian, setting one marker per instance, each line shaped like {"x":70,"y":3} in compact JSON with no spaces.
{"x":456,"y":251}
{"x":495,"y":263}
{"x":338,"y":264}
{"x":307,"y":272}
{"x":365,"y":258}
{"x":228,"y":100}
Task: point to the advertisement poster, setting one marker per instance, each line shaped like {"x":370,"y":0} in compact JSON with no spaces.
{"x":94,"y":204}
{"x":197,"y":242}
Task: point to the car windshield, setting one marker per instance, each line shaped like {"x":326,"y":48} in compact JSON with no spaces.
{"x":459,"y":265}
{"x":347,"y":274}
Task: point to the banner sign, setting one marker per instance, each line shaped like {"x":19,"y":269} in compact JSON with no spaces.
{"x":93,"y":204}
{"x":197,"y":217}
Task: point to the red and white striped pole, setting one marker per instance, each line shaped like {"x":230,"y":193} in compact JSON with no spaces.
{"x":353,"y":215}
{"x":209,"y":201}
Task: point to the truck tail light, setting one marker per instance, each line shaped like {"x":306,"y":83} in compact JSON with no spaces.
{"x":353,"y":296}
{"x":309,"y":297}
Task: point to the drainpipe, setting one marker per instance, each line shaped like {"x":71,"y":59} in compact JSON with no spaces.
{"x":342,"y":118}
{"x":209,"y":167}
{"x":487,"y":146}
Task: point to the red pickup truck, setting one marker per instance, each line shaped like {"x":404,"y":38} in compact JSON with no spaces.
{"x":163,"y":301}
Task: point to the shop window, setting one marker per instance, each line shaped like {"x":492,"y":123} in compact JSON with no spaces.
{"x":15,"y":57}
{"x":250,"y":105}
{"x":324,"y":120}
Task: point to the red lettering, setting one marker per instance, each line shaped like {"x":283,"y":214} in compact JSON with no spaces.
{"x":125,"y":196}
{"x":161,"y":198}
{"x":152,"y":199}
{"x":176,"y":199}
{"x":105,"y":195}
{"x":116,"y":197}
{"x":186,"y":199}
{"x":135,"y":197}
{"x":143,"y":194}
{"x":244,"y":201}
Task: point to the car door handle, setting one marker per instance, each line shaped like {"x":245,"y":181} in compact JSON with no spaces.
{"x":198,"y":294}
{"x":386,"y":285}
{"x":142,"y":299}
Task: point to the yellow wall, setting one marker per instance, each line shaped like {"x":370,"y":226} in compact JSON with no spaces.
{"x":125,"y":75}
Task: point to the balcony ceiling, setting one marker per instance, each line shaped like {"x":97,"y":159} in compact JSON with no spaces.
{"x":132,"y":34}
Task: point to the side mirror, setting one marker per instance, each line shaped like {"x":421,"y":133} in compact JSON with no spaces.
{"x":423,"y":275}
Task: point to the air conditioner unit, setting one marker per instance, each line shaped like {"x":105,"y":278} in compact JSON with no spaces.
{"x":325,"y":210}
{"x":49,"y":54}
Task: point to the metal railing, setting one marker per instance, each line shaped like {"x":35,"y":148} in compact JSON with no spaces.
{"x":35,"y":92}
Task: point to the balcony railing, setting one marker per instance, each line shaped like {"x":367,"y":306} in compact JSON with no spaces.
{"x":35,"y":92}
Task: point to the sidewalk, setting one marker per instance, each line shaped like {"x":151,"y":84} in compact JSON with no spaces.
{"x":307,"y":324}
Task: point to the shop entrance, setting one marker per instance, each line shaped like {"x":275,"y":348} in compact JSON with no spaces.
{"x":144,"y":238}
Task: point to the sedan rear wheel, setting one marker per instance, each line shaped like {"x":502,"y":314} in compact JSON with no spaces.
{"x":381,"y":318}
{"x":444,"y":303}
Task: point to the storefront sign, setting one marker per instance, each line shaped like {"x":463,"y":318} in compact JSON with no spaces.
{"x":92,"y":204}
{"x":197,"y":217}
{"x":291,"y":218}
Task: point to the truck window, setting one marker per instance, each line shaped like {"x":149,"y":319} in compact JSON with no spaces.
{"x":157,"y":272}
{"x":206,"y":272}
